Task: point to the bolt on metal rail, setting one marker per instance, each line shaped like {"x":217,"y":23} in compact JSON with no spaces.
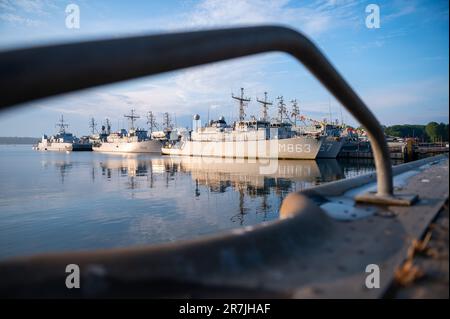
{"x":33,"y":73}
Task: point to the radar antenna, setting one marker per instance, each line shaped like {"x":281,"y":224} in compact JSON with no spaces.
{"x":132,"y":117}
{"x":265,"y":106}
{"x":166,"y":121}
{"x":62,"y":126}
{"x":295,"y":111}
{"x":243,"y":101}
{"x":151,"y":122}
{"x":108,"y":126}
{"x":281,"y":108}
{"x":93,"y":125}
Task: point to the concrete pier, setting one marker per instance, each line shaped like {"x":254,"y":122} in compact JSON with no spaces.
{"x":397,"y":150}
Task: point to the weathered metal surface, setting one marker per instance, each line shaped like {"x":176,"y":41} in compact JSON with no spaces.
{"x":76,"y":66}
{"x":304,"y":254}
{"x":425,"y":273}
{"x":396,"y":224}
{"x":398,"y":199}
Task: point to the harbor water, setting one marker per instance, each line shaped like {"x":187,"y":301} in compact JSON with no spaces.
{"x":65,"y":201}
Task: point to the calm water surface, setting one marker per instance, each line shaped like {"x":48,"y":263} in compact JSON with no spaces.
{"x":52,"y":201}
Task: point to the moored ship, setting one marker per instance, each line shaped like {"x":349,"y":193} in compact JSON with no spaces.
{"x":245,"y":139}
{"x":63,"y":141}
{"x":133,"y":141}
{"x":333,"y":138}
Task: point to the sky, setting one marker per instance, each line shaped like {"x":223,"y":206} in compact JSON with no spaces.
{"x":400,"y":70}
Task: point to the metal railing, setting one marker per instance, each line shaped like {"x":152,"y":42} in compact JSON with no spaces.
{"x":33,"y":73}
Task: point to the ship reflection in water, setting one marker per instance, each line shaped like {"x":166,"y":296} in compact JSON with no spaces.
{"x":216,"y":175}
{"x":78,"y":201}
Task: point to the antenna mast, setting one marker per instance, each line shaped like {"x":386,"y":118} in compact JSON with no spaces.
{"x":108,"y":126}
{"x":329,"y":109}
{"x":295,"y":110}
{"x":242,"y":102}
{"x":281,"y":108}
{"x":342,"y":118}
{"x":151,"y":122}
{"x":166,"y":121}
{"x":92,"y":125}
{"x":132,"y":117}
{"x":265,"y":106}
{"x":62,"y":126}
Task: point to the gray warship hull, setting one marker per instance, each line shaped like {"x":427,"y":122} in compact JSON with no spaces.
{"x":63,"y":147}
{"x":299,"y":147}
{"x":150,"y":146}
{"x":331,"y":147}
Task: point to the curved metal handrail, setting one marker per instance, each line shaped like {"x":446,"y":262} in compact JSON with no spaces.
{"x":39,"y":72}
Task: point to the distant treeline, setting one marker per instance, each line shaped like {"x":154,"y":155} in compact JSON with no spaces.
{"x":19,"y":140}
{"x":432,"y":132}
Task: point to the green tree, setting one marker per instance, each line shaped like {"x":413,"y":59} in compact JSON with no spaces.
{"x":443,"y":131}
{"x":406,"y":130}
{"x":433,"y":131}
{"x":447,"y":138}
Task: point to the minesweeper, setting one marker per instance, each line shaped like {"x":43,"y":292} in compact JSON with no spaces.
{"x":333,"y":141}
{"x":134,"y":141}
{"x":332,"y":134}
{"x":63,"y":141}
{"x":253,"y":138}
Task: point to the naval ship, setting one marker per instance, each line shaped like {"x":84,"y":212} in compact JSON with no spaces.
{"x":334,"y":139}
{"x":134,"y":141}
{"x":63,"y":141}
{"x":262,"y":138}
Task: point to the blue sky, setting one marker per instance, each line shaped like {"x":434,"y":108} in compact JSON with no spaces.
{"x":400,"y":70}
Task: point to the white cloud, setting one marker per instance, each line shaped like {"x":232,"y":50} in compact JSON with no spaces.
{"x":194,"y":90}
{"x":40,"y":7}
{"x":186,"y":92}
{"x":405,"y":8}
{"x":197,"y":89}
{"x":406,"y":94}
{"x":28,"y":13}
{"x":17,"y":19}
{"x":313,"y":20}
{"x":7,"y":5}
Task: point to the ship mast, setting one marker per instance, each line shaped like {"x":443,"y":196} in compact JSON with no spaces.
{"x":132,"y":117}
{"x":62,"y":126}
{"x":166,"y":121}
{"x":242,"y":102}
{"x":108,"y":126}
{"x":92,"y":125}
{"x":151,"y":122}
{"x":265,"y":106}
{"x":281,"y":108}
{"x":295,"y":110}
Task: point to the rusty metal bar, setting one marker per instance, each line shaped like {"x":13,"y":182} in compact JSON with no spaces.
{"x":39,"y":72}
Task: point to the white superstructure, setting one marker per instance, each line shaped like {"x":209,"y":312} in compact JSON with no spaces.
{"x":133,"y":141}
{"x":263,"y":138}
{"x":246,"y":139}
